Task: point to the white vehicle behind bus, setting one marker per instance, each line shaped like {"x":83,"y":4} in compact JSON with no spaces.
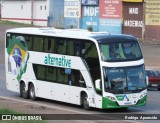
{"x":91,"y":69}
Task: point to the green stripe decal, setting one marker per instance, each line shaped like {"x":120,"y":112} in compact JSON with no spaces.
{"x":142,"y":102}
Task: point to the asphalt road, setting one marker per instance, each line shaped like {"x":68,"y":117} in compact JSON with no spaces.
{"x":152,"y":107}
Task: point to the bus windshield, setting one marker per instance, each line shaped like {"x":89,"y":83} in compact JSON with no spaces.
{"x":120,"y":51}
{"x":124,"y":80}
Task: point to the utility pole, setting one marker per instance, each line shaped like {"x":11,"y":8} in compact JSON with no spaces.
{"x":32,"y":11}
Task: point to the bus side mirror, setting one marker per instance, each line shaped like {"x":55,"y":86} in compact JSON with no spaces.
{"x":147,"y":81}
{"x":98,"y":85}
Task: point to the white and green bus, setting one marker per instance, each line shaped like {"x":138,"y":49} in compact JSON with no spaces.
{"x":92,"y":69}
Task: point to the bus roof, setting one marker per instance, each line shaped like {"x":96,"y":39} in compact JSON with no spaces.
{"x":71,"y":33}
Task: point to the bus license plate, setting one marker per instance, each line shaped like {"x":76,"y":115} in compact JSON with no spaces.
{"x":128,"y":103}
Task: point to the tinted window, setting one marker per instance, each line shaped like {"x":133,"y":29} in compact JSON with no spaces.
{"x":38,"y":43}
{"x":62,"y":77}
{"x":61,"y":46}
{"x":49,"y":45}
{"x":120,"y":51}
{"x":90,"y":55}
{"x":70,"y":47}
{"x":59,"y":75}
{"x":50,"y":74}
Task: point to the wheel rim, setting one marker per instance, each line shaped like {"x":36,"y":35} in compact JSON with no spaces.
{"x":23,"y":90}
{"x":32,"y":93}
{"x":85,"y":101}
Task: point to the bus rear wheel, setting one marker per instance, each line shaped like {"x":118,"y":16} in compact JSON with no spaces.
{"x":85,"y":102}
{"x":32,"y":94}
{"x":23,"y":92}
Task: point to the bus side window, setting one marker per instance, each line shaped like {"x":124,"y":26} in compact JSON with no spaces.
{"x":29,"y":42}
{"x":38,"y":43}
{"x":49,"y":45}
{"x":81,"y":81}
{"x":91,"y":57}
{"x":40,"y":72}
{"x":61,"y":76}
{"x":77,"y":48}
{"x":70,"y":47}
{"x":85,"y":48}
{"x":51,"y":74}
{"x":77,"y":79}
{"x":61,"y":46}
{"x":8,"y":37}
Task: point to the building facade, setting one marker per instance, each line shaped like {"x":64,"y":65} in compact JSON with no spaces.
{"x":152,"y":20}
{"x":26,"y":11}
{"x":140,"y":18}
{"x":133,"y":18}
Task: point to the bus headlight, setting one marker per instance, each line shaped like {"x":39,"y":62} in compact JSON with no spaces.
{"x":111,"y":98}
{"x":142,"y":95}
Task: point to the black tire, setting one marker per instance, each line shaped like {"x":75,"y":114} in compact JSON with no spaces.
{"x":159,"y":89}
{"x":85,"y":102}
{"x":124,"y":109}
{"x":23,"y":92}
{"x":32,"y":94}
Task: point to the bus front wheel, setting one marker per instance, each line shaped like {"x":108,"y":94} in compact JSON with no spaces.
{"x":85,"y":102}
{"x":32,"y":94}
{"x":23,"y":92}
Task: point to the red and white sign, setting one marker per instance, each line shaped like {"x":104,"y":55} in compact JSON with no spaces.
{"x":110,"y":9}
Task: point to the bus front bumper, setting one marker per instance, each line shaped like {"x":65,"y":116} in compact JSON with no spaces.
{"x":109,"y":104}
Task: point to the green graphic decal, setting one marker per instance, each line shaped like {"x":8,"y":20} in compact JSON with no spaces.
{"x":18,"y":55}
{"x":120,"y":98}
{"x":57,"y":61}
{"x":142,"y":102}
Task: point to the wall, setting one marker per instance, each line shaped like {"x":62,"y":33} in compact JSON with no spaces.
{"x":90,"y":18}
{"x":152,"y":20}
{"x":110,"y":18}
{"x":20,"y":11}
{"x":133,"y":18}
{"x":56,"y":14}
